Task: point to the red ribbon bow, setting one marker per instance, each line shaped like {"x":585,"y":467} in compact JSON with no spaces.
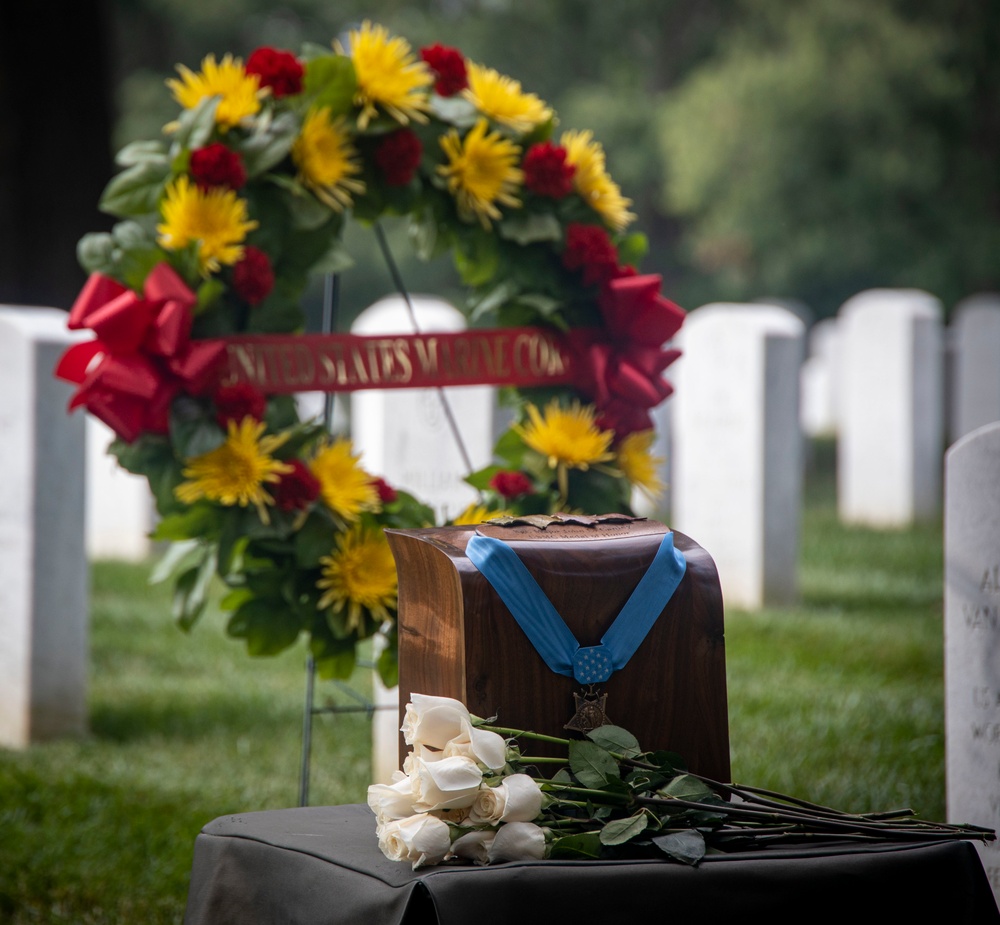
{"x":142,"y":356}
{"x":621,"y":366}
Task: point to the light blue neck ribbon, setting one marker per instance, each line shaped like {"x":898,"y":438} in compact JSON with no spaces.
{"x":546,"y":629}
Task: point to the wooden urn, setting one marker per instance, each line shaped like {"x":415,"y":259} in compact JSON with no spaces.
{"x":457,"y":638}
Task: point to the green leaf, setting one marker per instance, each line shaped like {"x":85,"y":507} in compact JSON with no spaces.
{"x":314,"y":539}
{"x":687,"y":847}
{"x":335,"y":260}
{"x":477,"y":257}
{"x":209,"y":293}
{"x":330,"y":81}
{"x":666,"y":762}
{"x":194,"y":127}
{"x":282,"y":414}
{"x":388,"y":666}
{"x":597,"y":491}
{"x":269,"y":144}
{"x":620,"y":831}
{"x":591,"y":765}
{"x":481,"y":478}
{"x":135,"y":191}
{"x":95,"y":252}
{"x":510,"y":448}
{"x":192,"y":522}
{"x":334,"y":658}
{"x":307,"y":212}
{"x":632,"y":248}
{"x":178,"y":557}
{"x":686,"y":787}
{"x":615,"y":739}
{"x":138,"y":152}
{"x":530,"y":227}
{"x":455,"y":110}
{"x":493,"y":299}
{"x":587,"y":845}
{"x":267,"y":625}
{"x":191,"y":588}
{"x":193,"y":429}
{"x":235,"y":598}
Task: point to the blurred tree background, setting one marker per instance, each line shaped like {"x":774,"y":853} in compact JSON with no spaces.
{"x":793,"y":149}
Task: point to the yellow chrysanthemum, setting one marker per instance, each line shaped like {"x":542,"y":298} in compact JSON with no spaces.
{"x":477,"y":514}
{"x":326,"y":159}
{"x":501,"y":99}
{"x":238,"y":91}
{"x":566,"y":436}
{"x":592,"y":181}
{"x":237,"y":472}
{"x":344,"y":486}
{"x":481,"y":172}
{"x":215,"y":218}
{"x":360,"y":574}
{"x":388,"y":75}
{"x":638,"y":464}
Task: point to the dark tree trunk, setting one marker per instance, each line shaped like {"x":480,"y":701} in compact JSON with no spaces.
{"x":55,"y":124}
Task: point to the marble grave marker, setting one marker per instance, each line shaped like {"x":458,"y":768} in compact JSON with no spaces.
{"x":43,"y":564}
{"x":975,"y":394}
{"x":736,"y":446}
{"x":972,"y":635}
{"x":890,"y":406}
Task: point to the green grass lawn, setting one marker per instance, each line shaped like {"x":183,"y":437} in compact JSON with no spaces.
{"x":839,"y":700}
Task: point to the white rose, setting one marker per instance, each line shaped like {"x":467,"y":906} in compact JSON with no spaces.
{"x":486,"y":747}
{"x":392,"y":801}
{"x":422,"y":840}
{"x":433,"y":721}
{"x":423,"y":753}
{"x":451,"y":783}
{"x":473,"y":846}
{"x":518,"y":841}
{"x":517,"y":798}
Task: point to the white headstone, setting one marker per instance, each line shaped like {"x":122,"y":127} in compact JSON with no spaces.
{"x":43,"y":564}
{"x":972,"y":635}
{"x":737,"y":461}
{"x":120,"y":513}
{"x":403,"y":435}
{"x":890,"y":447}
{"x":818,"y":380}
{"x":975,"y":338}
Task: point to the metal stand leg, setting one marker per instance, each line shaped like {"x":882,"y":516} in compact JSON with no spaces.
{"x":307,"y":720}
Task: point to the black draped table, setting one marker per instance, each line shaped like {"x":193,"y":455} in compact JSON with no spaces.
{"x":322,"y":866}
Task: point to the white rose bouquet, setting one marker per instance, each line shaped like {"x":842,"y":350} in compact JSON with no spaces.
{"x":457,"y":796}
{"x":468,"y":793}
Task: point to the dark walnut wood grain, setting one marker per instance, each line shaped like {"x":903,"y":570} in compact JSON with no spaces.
{"x":457,"y":638}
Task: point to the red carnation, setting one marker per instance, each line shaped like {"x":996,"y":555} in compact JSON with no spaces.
{"x":398,"y":156}
{"x":253,"y":277}
{"x":449,"y":65}
{"x":297,"y":489}
{"x":589,"y":248}
{"x":281,"y":71}
{"x":216,"y":165}
{"x":237,"y":401}
{"x":511,"y":484}
{"x":386,"y":493}
{"x":546,"y":171}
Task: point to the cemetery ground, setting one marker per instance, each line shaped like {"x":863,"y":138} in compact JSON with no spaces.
{"x":838,"y":700}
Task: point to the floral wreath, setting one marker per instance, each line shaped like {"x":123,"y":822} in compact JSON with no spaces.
{"x":222,"y":222}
